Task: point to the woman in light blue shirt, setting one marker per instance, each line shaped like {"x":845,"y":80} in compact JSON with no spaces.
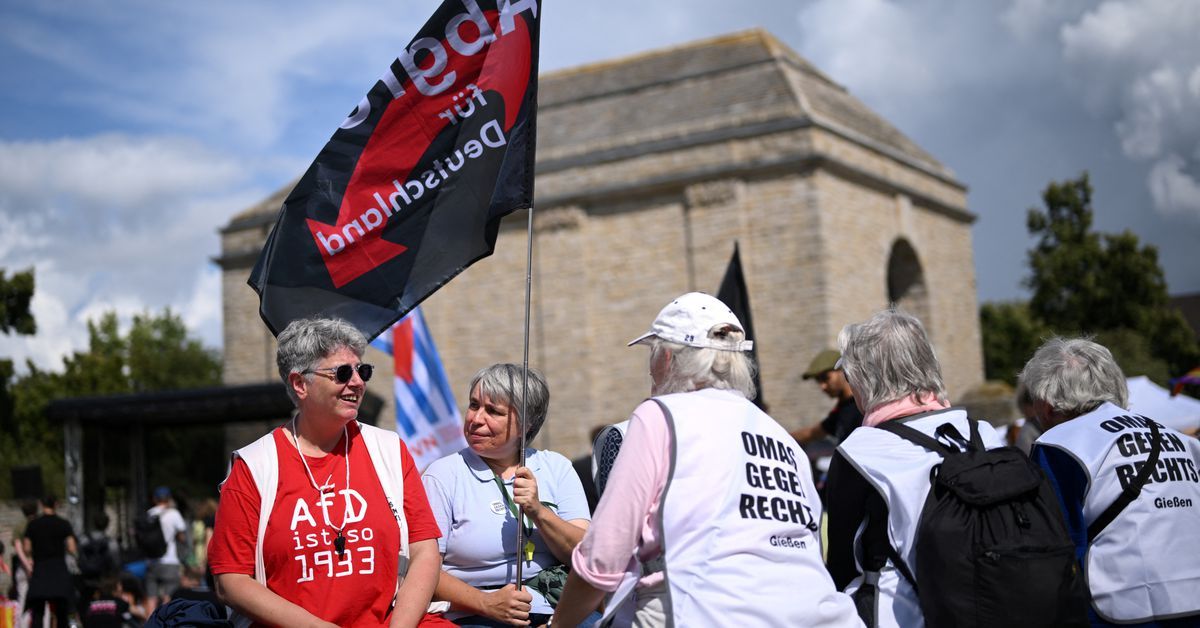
{"x":474,"y":494}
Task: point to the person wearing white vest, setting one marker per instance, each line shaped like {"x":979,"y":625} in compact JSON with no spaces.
{"x":878,"y":482}
{"x":710,"y":517}
{"x":1129,"y":487}
{"x":324,"y":521}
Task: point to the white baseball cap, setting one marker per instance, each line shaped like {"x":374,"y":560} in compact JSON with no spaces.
{"x":688,"y":319}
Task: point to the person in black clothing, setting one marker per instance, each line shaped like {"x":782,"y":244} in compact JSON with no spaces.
{"x":107,"y":608}
{"x":878,"y":482}
{"x":97,"y":557}
{"x":47,"y":540}
{"x":193,"y":587}
{"x":845,"y":416}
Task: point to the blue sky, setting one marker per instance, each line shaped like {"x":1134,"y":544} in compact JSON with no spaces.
{"x":131,"y":130}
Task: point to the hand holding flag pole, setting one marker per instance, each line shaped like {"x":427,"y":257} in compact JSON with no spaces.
{"x":411,"y":188}
{"x":525,"y":389}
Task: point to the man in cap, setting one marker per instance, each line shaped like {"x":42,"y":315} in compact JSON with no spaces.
{"x":845,"y":415}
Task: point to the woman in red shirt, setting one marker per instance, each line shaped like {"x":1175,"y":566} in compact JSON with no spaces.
{"x":328,"y":549}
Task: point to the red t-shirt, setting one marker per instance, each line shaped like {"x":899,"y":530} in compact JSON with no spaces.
{"x":302,"y":565}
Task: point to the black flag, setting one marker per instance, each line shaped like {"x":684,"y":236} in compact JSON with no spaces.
{"x":411,"y":188}
{"x":733,"y":293}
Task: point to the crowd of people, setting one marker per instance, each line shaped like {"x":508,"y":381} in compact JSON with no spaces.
{"x":57,"y":577}
{"x":709,"y":516}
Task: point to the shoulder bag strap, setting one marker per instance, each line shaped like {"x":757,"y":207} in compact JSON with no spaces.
{"x":1131,"y":491}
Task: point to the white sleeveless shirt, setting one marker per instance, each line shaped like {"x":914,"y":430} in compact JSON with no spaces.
{"x":740,"y":521}
{"x":1144,"y":565}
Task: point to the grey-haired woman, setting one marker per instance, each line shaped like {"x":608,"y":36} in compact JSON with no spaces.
{"x":324,"y":521}
{"x":475,"y":493}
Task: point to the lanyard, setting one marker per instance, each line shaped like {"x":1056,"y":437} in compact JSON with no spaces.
{"x":512,"y":507}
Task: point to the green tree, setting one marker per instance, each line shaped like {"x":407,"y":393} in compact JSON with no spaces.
{"x":161,"y":356}
{"x":155,"y":355}
{"x":1010,"y":336}
{"x":1088,"y":282}
{"x":1084,"y":282}
{"x":16,"y":293}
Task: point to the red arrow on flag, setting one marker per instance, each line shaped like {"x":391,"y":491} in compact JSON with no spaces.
{"x":404,"y":133}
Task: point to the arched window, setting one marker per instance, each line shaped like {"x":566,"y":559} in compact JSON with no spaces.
{"x":906,"y":282}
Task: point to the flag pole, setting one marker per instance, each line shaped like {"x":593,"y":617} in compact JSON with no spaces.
{"x":525,"y":386}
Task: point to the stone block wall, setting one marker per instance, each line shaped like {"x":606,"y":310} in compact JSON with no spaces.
{"x":638,"y":204}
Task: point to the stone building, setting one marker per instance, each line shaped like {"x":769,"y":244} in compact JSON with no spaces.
{"x":649,"y":168}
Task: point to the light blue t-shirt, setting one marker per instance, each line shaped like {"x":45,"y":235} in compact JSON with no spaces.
{"x":479,"y":533}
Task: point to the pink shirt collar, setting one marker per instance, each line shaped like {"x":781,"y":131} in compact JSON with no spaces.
{"x":904,"y":407}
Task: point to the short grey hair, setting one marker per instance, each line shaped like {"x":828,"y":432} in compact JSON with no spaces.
{"x":502,"y":383}
{"x":889,"y":357}
{"x":307,"y":341}
{"x":1074,"y":376}
{"x":694,"y":368}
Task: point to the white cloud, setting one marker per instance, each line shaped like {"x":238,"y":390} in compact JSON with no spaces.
{"x":107,"y":176}
{"x":1172,"y":188}
{"x":56,"y":337}
{"x":201,"y":310}
{"x":1031,"y":19}
{"x":1161,"y":109}
{"x":1137,"y":62}
{"x":116,"y":223}
{"x":243,"y":74}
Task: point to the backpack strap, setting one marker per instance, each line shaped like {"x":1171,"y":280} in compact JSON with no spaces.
{"x":915,"y":436}
{"x":922,"y":439}
{"x":1133,"y":490}
{"x":902,"y":567}
{"x":973,"y":443}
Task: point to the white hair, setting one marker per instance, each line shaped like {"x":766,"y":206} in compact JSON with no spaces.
{"x":694,"y":368}
{"x":887,"y":358}
{"x":1074,"y":376}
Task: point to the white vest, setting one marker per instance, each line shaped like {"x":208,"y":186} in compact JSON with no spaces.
{"x":262,"y":459}
{"x":1145,"y":565}
{"x":740,"y":520}
{"x":899,"y":471}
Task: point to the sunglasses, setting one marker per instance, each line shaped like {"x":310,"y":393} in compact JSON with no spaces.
{"x":342,"y":374}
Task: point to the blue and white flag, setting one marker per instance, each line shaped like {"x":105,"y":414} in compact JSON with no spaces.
{"x":426,"y":416}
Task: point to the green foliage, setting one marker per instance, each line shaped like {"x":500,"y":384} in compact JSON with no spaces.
{"x":15,"y":296}
{"x":162,"y":357}
{"x":1010,"y":336}
{"x":1132,"y":351}
{"x":1083,"y":282}
{"x":156,"y":354}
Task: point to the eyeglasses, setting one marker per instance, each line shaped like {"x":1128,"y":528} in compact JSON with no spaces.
{"x":342,"y":374}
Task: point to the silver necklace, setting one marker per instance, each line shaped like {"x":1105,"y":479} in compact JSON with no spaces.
{"x":339,"y":543}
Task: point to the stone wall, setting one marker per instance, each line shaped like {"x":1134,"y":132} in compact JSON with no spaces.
{"x":627,"y":220}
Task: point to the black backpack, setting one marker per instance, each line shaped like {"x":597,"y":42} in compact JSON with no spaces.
{"x":148,"y":535}
{"x":95,"y":559}
{"x":992,"y":546}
